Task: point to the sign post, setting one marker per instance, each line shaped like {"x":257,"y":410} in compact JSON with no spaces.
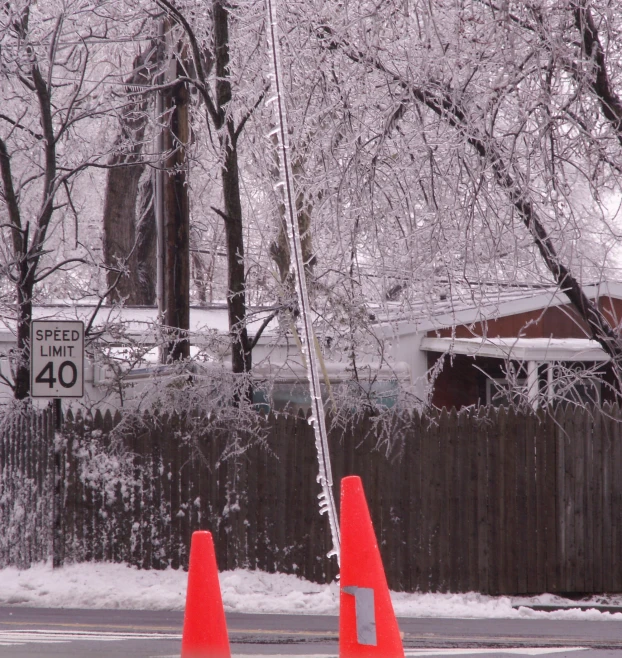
{"x":57,"y":371}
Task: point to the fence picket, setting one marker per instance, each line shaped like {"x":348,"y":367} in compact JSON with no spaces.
{"x":411,"y":503}
{"x":481,"y":578}
{"x":524,"y":548}
{"x":456,"y":514}
{"x":536,"y":483}
{"x":147,"y":483}
{"x":577,"y":441}
{"x":595,"y":467}
{"x":616,"y":507}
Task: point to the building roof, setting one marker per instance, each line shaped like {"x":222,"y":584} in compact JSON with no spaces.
{"x":477,"y":304}
{"x":140,"y":320}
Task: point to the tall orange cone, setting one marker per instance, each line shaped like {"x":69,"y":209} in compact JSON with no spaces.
{"x":367,"y":624}
{"x":205,"y":628}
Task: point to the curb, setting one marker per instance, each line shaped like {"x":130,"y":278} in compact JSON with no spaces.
{"x":579,"y":606}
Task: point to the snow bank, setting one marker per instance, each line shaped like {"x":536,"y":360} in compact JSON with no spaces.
{"x":478,"y":606}
{"x":102,"y":585}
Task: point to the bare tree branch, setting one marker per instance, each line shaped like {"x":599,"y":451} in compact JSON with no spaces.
{"x":45,"y":273}
{"x":19,"y":125}
{"x":610,"y":102}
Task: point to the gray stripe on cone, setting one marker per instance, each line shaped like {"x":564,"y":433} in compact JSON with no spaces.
{"x":365,"y":614}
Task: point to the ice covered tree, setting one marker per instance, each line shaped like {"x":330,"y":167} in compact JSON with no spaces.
{"x":485,"y":139}
{"x":58,"y":65}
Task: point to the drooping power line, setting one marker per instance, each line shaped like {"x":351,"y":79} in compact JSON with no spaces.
{"x":325,"y":477}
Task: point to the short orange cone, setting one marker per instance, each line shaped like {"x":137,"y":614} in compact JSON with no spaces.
{"x":205,"y":628}
{"x":367,"y":624}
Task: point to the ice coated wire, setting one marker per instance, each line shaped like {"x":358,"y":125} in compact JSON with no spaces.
{"x":325,"y":477}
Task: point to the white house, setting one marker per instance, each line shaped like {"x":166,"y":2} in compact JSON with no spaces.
{"x":123,"y":346}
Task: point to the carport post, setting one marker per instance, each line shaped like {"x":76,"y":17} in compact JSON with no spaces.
{"x":532,"y":383}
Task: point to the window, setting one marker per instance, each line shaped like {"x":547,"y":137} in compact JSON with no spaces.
{"x":502,"y":392}
{"x":574,"y":382}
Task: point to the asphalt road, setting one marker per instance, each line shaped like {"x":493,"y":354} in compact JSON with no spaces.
{"x":36,"y":632}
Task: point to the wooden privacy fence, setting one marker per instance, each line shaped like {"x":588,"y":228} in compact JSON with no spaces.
{"x":26,"y":488}
{"x":496,"y":501}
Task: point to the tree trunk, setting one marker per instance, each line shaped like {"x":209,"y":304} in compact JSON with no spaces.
{"x":146,"y":242}
{"x":176,"y":229}
{"x":120,"y":231}
{"x":241,"y":356}
{"x":119,"y":220}
{"x":27,"y":256}
{"x":22,"y":365}
{"x":200,"y":278}
{"x":279,"y":249}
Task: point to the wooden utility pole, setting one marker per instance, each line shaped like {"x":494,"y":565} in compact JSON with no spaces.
{"x":175,"y":221}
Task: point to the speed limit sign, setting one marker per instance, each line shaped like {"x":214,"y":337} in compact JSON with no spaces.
{"x":57,"y":359}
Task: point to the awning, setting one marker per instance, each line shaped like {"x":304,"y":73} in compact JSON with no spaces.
{"x":520,"y":349}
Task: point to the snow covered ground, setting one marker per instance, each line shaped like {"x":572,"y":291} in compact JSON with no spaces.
{"x":100,"y":585}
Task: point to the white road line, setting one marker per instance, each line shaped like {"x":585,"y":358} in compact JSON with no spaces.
{"x":514,"y":651}
{"x":413,"y":653}
{"x":19,"y":637}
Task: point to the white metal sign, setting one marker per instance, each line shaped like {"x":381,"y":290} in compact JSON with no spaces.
{"x":57,"y":359}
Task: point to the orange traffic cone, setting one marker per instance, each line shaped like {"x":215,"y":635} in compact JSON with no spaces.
{"x":367,"y":624}
{"x":205,"y":627}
